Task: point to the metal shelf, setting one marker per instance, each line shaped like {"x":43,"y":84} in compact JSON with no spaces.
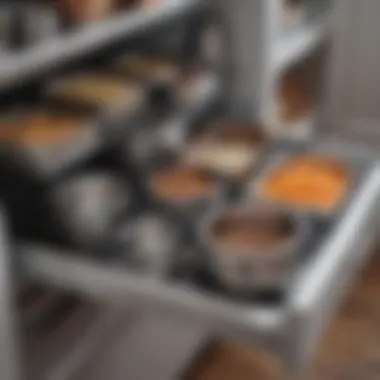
{"x":290,"y":328}
{"x":86,"y":144}
{"x":299,"y":44}
{"x":17,"y":67}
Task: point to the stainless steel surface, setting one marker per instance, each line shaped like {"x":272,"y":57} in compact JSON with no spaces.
{"x":16,"y":67}
{"x":322,"y":285}
{"x":114,"y":285}
{"x":157,"y":139}
{"x":290,"y":328}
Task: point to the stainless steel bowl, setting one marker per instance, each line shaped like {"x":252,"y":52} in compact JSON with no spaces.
{"x":256,"y":268}
{"x":89,"y":204}
{"x":150,"y":241}
{"x":229,"y":150}
{"x":164,"y":138}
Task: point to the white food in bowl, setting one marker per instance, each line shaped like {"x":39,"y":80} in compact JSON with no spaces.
{"x":226,"y":159}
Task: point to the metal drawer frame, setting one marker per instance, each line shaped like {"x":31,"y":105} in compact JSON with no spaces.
{"x":290,"y":331}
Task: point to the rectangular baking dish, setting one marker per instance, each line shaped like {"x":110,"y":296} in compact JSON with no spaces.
{"x":115,"y":115}
{"x":44,"y":161}
{"x":355,"y":171}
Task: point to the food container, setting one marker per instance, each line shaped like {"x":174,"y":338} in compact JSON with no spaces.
{"x":186,"y":189}
{"x":40,"y":140}
{"x":149,"y":242}
{"x":227,"y":150}
{"x":113,"y":97}
{"x":253,"y":247}
{"x":89,"y":204}
{"x":79,"y":12}
{"x":307,"y":181}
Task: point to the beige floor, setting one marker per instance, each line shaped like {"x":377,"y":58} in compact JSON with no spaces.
{"x":350,"y":350}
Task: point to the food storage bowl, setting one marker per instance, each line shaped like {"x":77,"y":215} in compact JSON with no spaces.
{"x":253,"y":248}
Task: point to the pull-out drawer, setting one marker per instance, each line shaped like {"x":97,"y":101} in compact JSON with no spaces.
{"x":289,"y":326}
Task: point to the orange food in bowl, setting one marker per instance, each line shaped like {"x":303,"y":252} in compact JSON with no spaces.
{"x":307,"y":181}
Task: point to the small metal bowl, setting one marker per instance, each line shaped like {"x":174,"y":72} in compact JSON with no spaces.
{"x":157,"y":139}
{"x":114,"y":111}
{"x":253,"y":267}
{"x":149,"y":242}
{"x":88,"y":206}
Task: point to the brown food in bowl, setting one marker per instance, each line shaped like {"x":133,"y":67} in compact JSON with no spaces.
{"x":251,"y":233}
{"x":181,"y":183}
{"x":94,"y":88}
{"x":238,"y":134}
{"x":146,"y":68}
{"x":40,"y":127}
{"x":308,"y":181}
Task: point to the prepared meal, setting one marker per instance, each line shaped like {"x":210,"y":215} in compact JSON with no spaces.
{"x":40,"y":127}
{"x":181,"y":183}
{"x":308,"y":181}
{"x":251,"y":233}
{"x":228,"y":151}
{"x":95,"y":88}
{"x":147,"y":68}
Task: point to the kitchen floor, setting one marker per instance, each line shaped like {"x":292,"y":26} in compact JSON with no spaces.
{"x":349,"y":351}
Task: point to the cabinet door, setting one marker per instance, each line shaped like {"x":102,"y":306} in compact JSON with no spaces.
{"x":352,"y":106}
